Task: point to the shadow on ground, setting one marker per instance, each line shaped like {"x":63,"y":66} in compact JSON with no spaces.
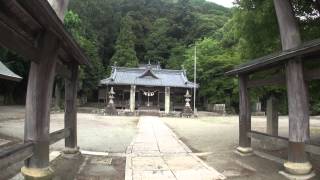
{"x":88,"y":167}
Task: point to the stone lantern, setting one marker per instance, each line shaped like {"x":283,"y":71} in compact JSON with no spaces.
{"x":187,"y":111}
{"x":111,"y":109}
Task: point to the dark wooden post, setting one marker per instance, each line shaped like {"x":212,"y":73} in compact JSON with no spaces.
{"x":244,"y":116}
{"x":70,"y":116}
{"x":39,"y":93}
{"x":272,"y":116}
{"x":297,"y":92}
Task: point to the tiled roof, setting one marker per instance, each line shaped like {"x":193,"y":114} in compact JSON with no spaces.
{"x":148,"y":77}
{"x":6,"y":73}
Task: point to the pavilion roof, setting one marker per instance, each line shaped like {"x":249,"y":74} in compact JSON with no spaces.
{"x":148,"y":77}
{"x":22,"y":23}
{"x":308,"y":50}
{"x":6,"y":73}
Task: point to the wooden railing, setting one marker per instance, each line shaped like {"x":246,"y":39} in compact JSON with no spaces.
{"x":58,"y":135}
{"x":310,"y":148}
{"x":17,"y":153}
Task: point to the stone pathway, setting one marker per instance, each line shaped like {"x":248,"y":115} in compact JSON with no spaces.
{"x":157,"y":154}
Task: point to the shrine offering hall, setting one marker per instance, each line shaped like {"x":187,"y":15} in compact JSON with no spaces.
{"x":146,"y":88}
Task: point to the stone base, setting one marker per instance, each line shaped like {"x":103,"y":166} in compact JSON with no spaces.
{"x":187,"y":112}
{"x":71,"y":150}
{"x":37,"y":174}
{"x":111,"y":110}
{"x":244,"y":151}
{"x":298,"y":168}
{"x":297,"y":177}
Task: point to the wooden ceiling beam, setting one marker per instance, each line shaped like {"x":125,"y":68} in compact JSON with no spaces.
{"x":12,"y":40}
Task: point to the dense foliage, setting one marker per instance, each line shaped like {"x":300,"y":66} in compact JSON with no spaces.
{"x":129,"y":32}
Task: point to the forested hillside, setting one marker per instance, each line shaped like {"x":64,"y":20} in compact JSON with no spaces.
{"x":129,"y":32}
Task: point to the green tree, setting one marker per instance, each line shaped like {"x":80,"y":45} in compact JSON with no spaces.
{"x":89,"y":75}
{"x":125,"y":54}
{"x":212,"y":62}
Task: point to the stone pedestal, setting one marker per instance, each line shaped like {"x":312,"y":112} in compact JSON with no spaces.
{"x":37,"y":173}
{"x":111,"y":110}
{"x":244,"y":151}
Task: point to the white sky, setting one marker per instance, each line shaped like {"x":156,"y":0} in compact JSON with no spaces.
{"x":225,"y":3}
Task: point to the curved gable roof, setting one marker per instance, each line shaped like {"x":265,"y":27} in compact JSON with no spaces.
{"x":148,"y":77}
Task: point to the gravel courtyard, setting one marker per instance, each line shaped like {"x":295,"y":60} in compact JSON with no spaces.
{"x":215,"y":139}
{"x":212,"y":138}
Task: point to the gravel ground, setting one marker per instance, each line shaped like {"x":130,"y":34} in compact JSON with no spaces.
{"x":217,"y":138}
{"x":95,"y":132}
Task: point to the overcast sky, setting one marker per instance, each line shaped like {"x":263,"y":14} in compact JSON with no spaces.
{"x":225,"y":3}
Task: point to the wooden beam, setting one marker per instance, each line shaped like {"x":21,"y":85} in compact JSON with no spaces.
{"x":14,"y":41}
{"x":42,"y":11}
{"x":15,"y":153}
{"x":283,"y":141}
{"x":70,"y":117}
{"x":309,"y":75}
{"x":274,"y":80}
{"x":21,"y":15}
{"x":312,"y":74}
{"x":267,"y":137}
{"x":58,"y":135}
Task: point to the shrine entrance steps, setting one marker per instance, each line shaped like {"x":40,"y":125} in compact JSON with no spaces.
{"x":149,"y":111}
{"x":157,"y":153}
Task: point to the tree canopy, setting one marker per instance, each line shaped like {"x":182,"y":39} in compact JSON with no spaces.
{"x":129,"y":32}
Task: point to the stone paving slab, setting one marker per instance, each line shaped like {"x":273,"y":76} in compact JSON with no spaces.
{"x":157,"y":153}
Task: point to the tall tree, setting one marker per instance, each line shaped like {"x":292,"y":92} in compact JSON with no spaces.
{"x":125,"y":54}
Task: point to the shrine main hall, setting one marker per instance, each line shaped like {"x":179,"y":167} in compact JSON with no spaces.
{"x":147,"y":88}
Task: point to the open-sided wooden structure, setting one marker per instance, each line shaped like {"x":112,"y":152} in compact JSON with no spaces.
{"x":32,"y":29}
{"x":277,"y":69}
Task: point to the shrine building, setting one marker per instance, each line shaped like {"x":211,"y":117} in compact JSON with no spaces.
{"x":147,"y":87}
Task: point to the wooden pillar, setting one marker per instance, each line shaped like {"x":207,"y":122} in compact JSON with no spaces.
{"x":167,"y":100}
{"x":297,"y":91}
{"x":123,"y":106}
{"x":298,"y":118}
{"x":272,"y":116}
{"x":70,"y":116}
{"x":132,"y":98}
{"x":37,"y":122}
{"x":244,"y":116}
{"x":139,"y":99}
{"x":158,"y":100}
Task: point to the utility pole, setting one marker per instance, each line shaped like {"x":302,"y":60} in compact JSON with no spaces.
{"x":195,"y":77}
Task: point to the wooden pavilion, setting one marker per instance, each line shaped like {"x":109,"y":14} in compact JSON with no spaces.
{"x":275,"y":69}
{"x":33,"y":29}
{"x":148,"y":87}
